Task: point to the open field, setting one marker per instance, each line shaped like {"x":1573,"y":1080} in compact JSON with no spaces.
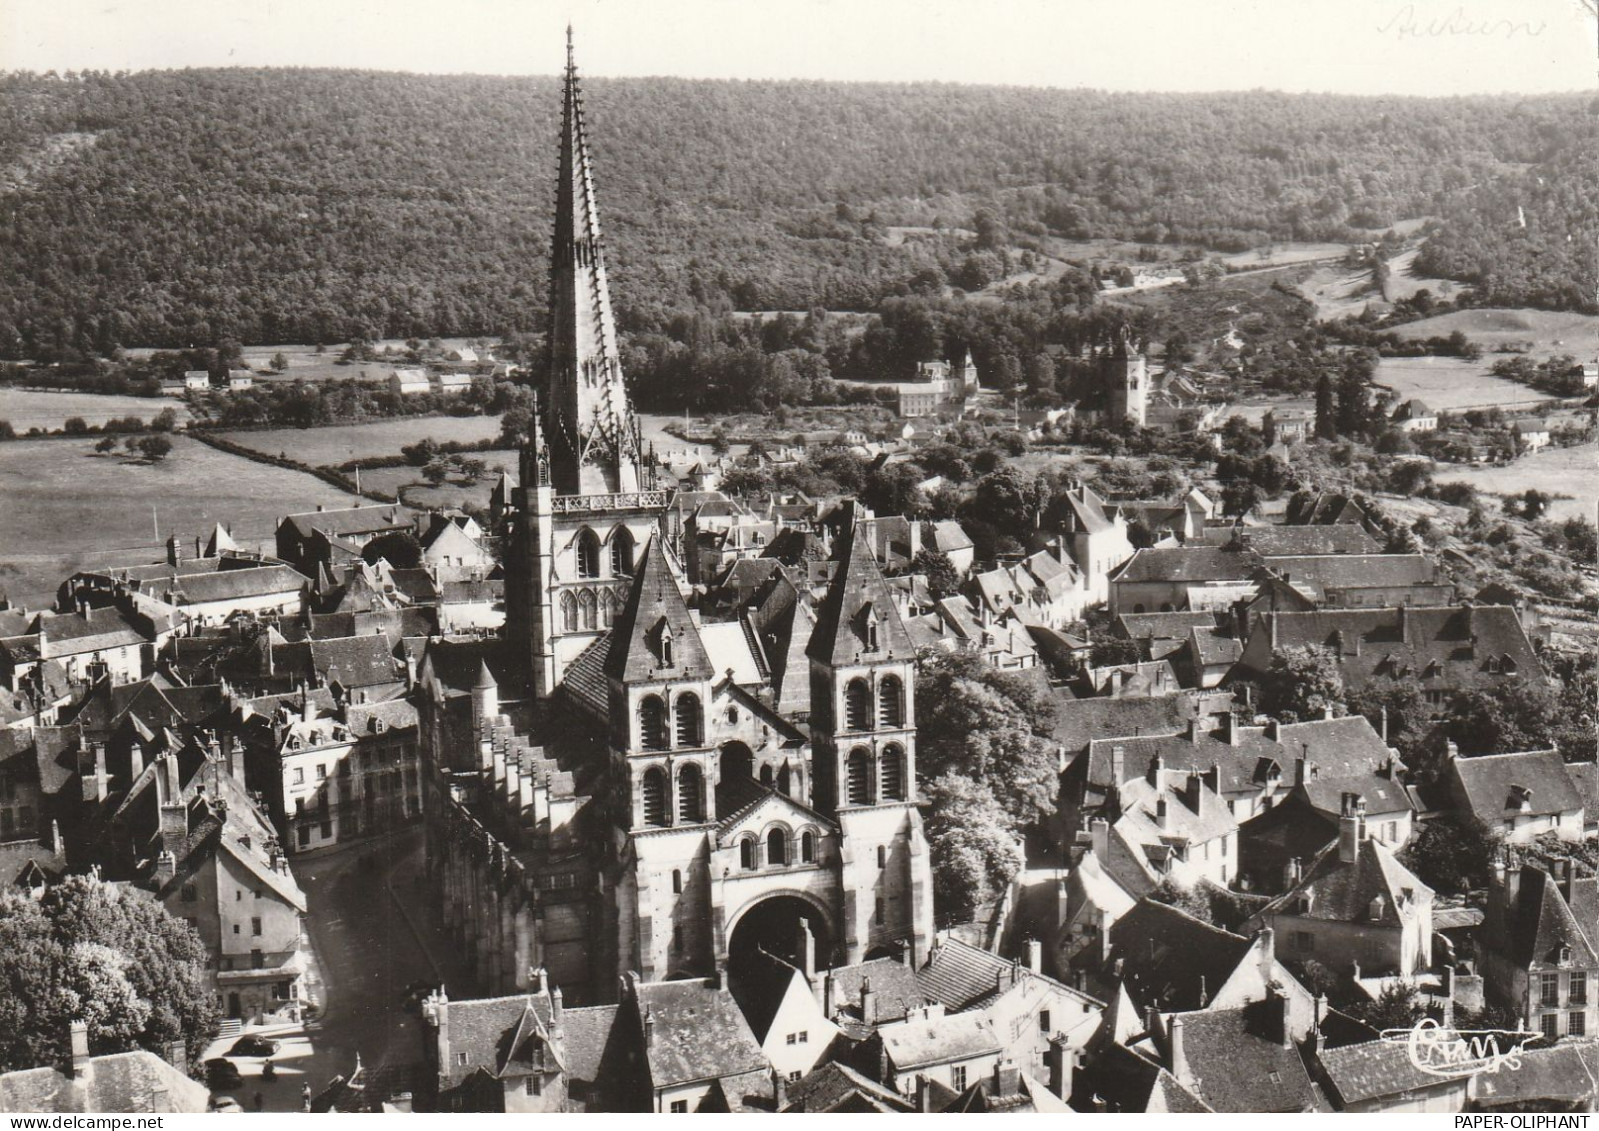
{"x":419,"y":493}
{"x":334,"y":444}
{"x":32,"y":408}
{"x":1453,"y":384}
{"x":1550,"y":332}
{"x":306,"y":364}
{"x":1340,"y":291}
{"x":67,"y":508}
{"x":1557,"y":471}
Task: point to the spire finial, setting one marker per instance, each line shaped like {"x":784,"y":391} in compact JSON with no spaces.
{"x":571,"y":62}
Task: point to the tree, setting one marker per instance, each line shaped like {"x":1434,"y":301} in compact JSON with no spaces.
{"x":436,"y":472}
{"x":1452,"y":855}
{"x":155,"y":448}
{"x":980,"y":723}
{"x":1326,"y":413}
{"x":106,"y":444}
{"x":1399,"y":708}
{"x":400,"y":548}
{"x":1399,"y":1007}
{"x":99,"y":953}
{"x":471,"y":469}
{"x":1519,"y":715}
{"x":1301,"y":682}
{"x":279,"y":363}
{"x":943,"y":579}
{"x":972,"y":843}
{"x":7,"y":432}
{"x":75,"y":426}
{"x":1112,"y":651}
{"x":164,"y":421}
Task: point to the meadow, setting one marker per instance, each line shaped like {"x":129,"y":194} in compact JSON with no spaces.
{"x":1555,"y":471}
{"x":335,"y":444}
{"x":38,"y":408}
{"x":67,"y":508}
{"x":1452,"y":384}
{"x":1548,"y":332}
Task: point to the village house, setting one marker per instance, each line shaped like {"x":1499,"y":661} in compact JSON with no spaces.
{"x":1414,"y":416}
{"x":1286,"y":425}
{"x":1531,"y":434}
{"x":1518,"y":796}
{"x":1355,"y":908}
{"x":314,"y":541}
{"x":1094,"y":533}
{"x":409,"y":382}
{"x":120,"y":1084}
{"x":1536,"y":947}
{"x":239,"y":380}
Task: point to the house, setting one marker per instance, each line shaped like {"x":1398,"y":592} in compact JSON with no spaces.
{"x":506,"y":1054}
{"x":1325,"y":509}
{"x":1286,"y":425}
{"x":453,"y":549}
{"x":1356,"y":907}
{"x":1031,"y":1013}
{"x":1146,"y":678}
{"x":1165,"y":580}
{"x":122,"y":1083}
{"x":1536,"y":947}
{"x":1179,"y":825}
{"x":239,"y":380}
{"x":1285,"y":541}
{"x":698,"y":1053}
{"x":782,"y":1003}
{"x":1415,"y":416}
{"x":118,"y":642}
{"x":464,"y":354}
{"x":837,"y":1088}
{"x":175,"y":386}
{"x":1447,"y":649}
{"x":314,"y":541}
{"x":1238,"y":1059}
{"x":1564,"y":1078}
{"x":949,"y":538}
{"x":1518,"y":796}
{"x":409,"y":382}
{"x":1353,"y":580}
{"x":1090,"y":900}
{"x":197,"y":380}
{"x":1078,"y":521}
{"x":1531,"y":434}
{"x":452,"y":384}
{"x":954,"y":1050}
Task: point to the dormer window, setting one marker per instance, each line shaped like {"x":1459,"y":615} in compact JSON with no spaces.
{"x":869,"y":627}
{"x":664,"y":645}
{"x":1565,"y":956}
{"x":1508,"y":666}
{"x":1376,"y":908}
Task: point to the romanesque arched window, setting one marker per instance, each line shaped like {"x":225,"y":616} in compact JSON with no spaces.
{"x":652,"y":723}
{"x":767,"y":777}
{"x":892,"y":774}
{"x":746,"y":854}
{"x":807,"y":847}
{"x":860,"y":776}
{"x":777,"y":848}
{"x":891,"y":702}
{"x":588,"y":609}
{"x":621,"y":552}
{"x":689,"y":727}
{"x":857,"y":705}
{"x":569,"y":611}
{"x":654,"y":793}
{"x":588,"y":554}
{"x":690,"y":795}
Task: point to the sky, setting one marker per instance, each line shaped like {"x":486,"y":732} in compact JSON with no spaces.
{"x":1428,"y":47}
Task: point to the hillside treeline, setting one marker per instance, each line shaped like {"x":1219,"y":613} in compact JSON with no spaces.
{"x":178,"y":208}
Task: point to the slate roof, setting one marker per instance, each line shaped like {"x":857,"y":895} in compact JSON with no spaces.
{"x":228,"y":585}
{"x":1168,"y":955}
{"x":1210,"y":821}
{"x":455,"y":663}
{"x":588,"y":1034}
{"x":1491,"y":783}
{"x":1371,"y":1070}
{"x":1128,"y":1082}
{"x":349,"y":520}
{"x":1542,"y":923}
{"x":919,"y":1041}
{"x":120,"y":1083}
{"x":1238,"y":1064}
{"x":699,"y":1033}
{"x":856,"y":590}
{"x":1343,"y":892}
{"x":1567,"y":1073}
{"x":67,"y":634}
{"x":1188,"y":563}
{"x":357,"y":661}
{"x":759,"y":989}
{"x":487,"y":1031}
{"x":1585,"y":780}
{"x":654,"y":603}
{"x":1355,"y":571}
{"x":1163,"y":626}
{"x":1077,"y":721}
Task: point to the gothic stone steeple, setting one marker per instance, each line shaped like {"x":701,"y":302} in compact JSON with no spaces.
{"x":593,"y":434}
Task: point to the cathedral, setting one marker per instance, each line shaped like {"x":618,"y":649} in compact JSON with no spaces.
{"x":627,"y":781}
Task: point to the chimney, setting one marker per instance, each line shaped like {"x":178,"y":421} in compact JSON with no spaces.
{"x":557,"y":1004}
{"x":1177,"y":1054}
{"x":541,"y":981}
{"x":1385,"y":724}
{"x":924,"y":1094}
{"x":807,"y":950}
{"x":236,"y":758}
{"x":174,"y":550}
{"x":1194,"y":729}
{"x":1348,"y":830}
{"x":1273,"y":731}
{"x":827,"y":995}
{"x":1156,"y":766}
{"x":1118,"y":765}
{"x":1319,"y":1017}
{"x":1194,"y":791}
{"x":79,"y":1036}
{"x":96,"y":781}
{"x":1266,"y":940}
{"x":1229,"y":729}
{"x":1061,"y":1061}
{"x":1099,"y":834}
{"x":1451,"y":750}
{"x":1360,"y":817}
{"x":649,"y":1027}
{"x":1035,"y":956}
{"x":868,"y":1002}
{"x":1160,"y":811}
{"x":177,"y":1055}
{"x":436,"y":1012}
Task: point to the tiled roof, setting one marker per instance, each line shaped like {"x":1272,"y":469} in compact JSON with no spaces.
{"x":121,"y":1083}
{"x":919,"y":1041}
{"x":1240,"y":1064}
{"x":1189,"y":563}
{"x":1585,"y":780}
{"x":1128,"y":1082}
{"x":834,"y":1087}
{"x":1343,"y":892}
{"x":895,"y":987}
{"x":961,"y":976}
{"x":484,"y":1029}
{"x":1347,"y":538}
{"x":588,"y":1034}
{"x":229,"y":585}
{"x":350,"y":520}
{"x":1374,"y":1069}
{"x":1077,"y":721}
{"x":357,"y":661}
{"x":1169,"y":957}
{"x":1496,"y":784}
{"x":699,"y":1033}
{"x":1565,"y":1074}
{"x":1542,"y":923}
{"x":1355,"y":571}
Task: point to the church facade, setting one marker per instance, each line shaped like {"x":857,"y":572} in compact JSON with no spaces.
{"x":621,"y":784}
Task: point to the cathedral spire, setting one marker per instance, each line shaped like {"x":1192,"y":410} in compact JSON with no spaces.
{"x":590,"y":425}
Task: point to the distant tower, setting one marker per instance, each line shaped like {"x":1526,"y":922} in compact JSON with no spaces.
{"x":968,"y":374}
{"x":586,"y":501}
{"x":1126,"y":377}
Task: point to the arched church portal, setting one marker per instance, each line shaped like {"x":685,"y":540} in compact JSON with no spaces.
{"x":773,"y":925}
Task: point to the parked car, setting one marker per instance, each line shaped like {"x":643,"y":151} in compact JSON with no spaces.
{"x":224,"y":1103}
{"x":222,"y":1073}
{"x":253,"y":1046}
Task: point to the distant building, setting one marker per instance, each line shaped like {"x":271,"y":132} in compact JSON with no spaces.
{"x":453,"y":383}
{"x":197,"y":380}
{"x":121,"y":1083}
{"x":1531,"y":434}
{"x":408,"y":382}
{"x":936,"y":385}
{"x":240,"y":380}
{"x":1415,"y":416}
{"x":1286,"y":425}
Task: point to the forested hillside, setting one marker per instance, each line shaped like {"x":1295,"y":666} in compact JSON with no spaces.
{"x":175,"y":208}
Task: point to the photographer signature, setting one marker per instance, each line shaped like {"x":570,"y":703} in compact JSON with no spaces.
{"x":1438,"y":1051}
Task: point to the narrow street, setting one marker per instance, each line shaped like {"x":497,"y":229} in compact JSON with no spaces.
{"x":366,"y":952}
